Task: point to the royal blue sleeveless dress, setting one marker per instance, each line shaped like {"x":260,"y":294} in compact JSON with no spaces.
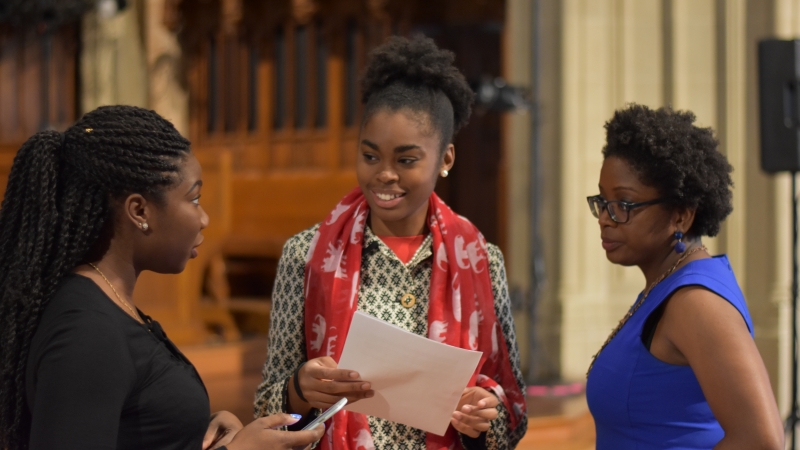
{"x":640,"y":402}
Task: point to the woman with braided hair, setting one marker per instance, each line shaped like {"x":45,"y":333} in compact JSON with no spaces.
{"x":393,"y":249}
{"x":86,"y":211}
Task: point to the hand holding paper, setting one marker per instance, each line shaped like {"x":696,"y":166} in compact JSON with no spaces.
{"x":476,"y":410}
{"x":417,"y":381}
{"x":323,"y":384}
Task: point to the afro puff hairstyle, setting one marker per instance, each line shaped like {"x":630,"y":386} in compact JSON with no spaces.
{"x":417,"y":75}
{"x":681,"y":160}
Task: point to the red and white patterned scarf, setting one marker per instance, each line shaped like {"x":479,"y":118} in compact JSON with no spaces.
{"x":460,"y":312}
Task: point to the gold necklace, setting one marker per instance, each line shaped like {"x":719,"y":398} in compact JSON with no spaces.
{"x":641,"y":300}
{"x":123,"y":302}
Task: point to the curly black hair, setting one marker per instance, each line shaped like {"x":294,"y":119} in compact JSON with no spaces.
{"x":58,"y":202}
{"x":681,"y":160}
{"x":416,"y":74}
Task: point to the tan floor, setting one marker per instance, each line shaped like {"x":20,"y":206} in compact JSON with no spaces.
{"x":558,"y":423}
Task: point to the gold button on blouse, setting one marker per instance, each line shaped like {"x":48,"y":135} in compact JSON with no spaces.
{"x":408,"y":300}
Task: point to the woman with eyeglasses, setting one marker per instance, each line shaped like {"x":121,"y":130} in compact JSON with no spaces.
{"x":681,"y":370}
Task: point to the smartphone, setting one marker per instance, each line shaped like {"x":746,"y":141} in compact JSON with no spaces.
{"x":327,"y":414}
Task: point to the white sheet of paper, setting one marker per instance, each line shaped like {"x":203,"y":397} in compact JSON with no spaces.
{"x":417,"y":381}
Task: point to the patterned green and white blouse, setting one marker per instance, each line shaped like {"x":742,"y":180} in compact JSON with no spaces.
{"x":384,"y":280}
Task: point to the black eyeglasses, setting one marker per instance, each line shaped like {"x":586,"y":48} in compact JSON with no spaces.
{"x":619,"y":211}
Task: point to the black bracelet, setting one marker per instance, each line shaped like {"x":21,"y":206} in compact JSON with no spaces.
{"x":297,"y":389}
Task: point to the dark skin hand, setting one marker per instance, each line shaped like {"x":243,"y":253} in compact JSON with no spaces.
{"x":262,"y":434}
{"x":475,"y":411}
{"x":222,"y":427}
{"x":324,"y":384}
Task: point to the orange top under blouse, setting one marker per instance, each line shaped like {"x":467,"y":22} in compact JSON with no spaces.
{"x":403,"y":246}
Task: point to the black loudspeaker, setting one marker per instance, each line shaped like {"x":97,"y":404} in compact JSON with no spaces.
{"x":779,"y":89}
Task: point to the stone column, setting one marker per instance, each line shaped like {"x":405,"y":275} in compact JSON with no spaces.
{"x":112,"y":59}
{"x":167,"y":95}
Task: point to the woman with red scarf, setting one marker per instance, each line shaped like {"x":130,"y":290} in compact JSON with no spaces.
{"x":392,"y":249}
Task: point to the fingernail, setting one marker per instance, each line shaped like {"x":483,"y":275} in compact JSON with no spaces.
{"x":370,"y":394}
{"x":365,"y":386}
{"x":353,"y":374}
{"x":296,"y":416}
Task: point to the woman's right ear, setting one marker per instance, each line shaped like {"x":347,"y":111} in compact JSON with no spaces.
{"x":448,"y":159}
{"x":137,"y":211}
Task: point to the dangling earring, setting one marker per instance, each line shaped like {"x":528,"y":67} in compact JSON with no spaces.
{"x":445,"y":173}
{"x":144,"y":226}
{"x":680,"y":247}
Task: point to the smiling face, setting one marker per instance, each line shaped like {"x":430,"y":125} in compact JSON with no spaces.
{"x":176,"y":225}
{"x":647,"y":235}
{"x":398,"y":164}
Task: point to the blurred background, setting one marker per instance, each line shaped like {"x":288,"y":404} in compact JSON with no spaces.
{"x":267,"y":91}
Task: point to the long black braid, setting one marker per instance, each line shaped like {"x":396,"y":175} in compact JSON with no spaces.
{"x":57,"y":204}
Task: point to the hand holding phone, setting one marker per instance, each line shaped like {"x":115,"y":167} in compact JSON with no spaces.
{"x":327,"y":414}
